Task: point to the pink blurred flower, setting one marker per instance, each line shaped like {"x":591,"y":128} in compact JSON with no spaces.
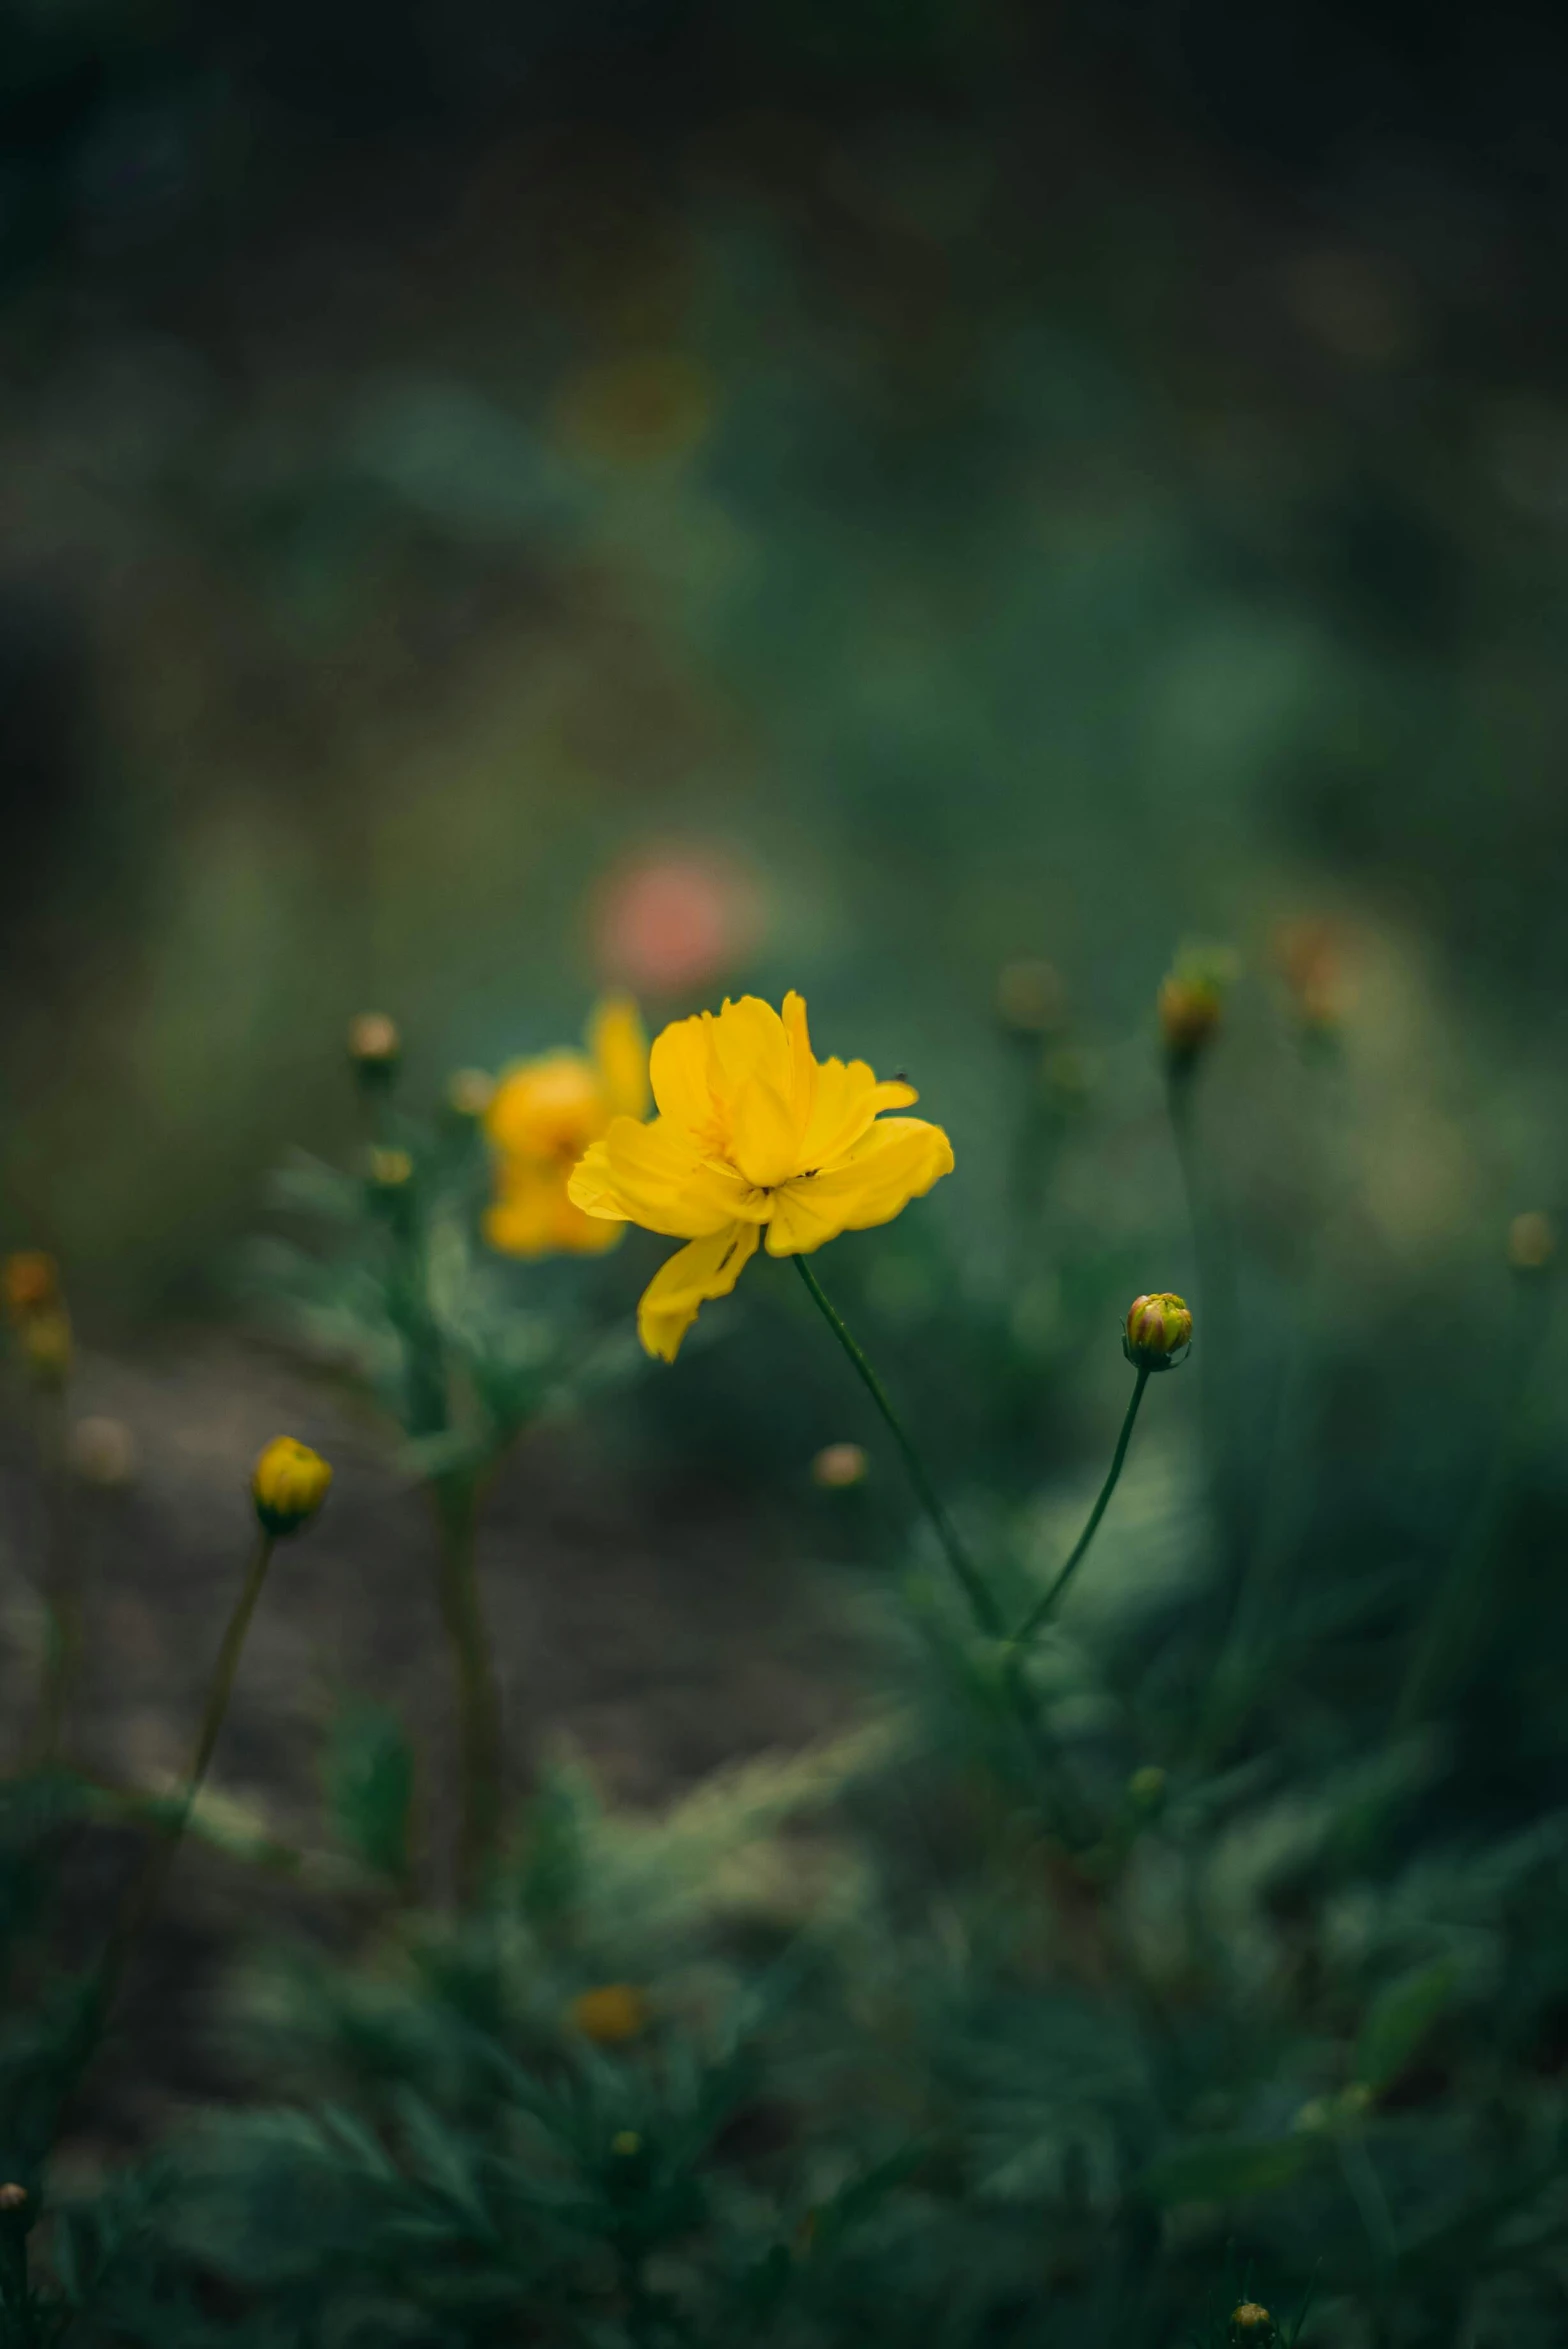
{"x":672,"y":921}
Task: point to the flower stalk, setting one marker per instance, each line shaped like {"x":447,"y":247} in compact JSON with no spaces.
{"x":982,"y":1601}
{"x":479,"y":1733}
{"x":1045,"y":1605}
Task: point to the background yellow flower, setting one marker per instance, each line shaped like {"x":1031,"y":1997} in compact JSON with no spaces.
{"x":753,"y":1134}
{"x":543,"y":1115}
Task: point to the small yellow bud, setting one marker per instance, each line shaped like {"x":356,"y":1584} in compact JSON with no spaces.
{"x":626,"y":2144}
{"x":469,"y":1092}
{"x":1030,"y":998}
{"x":1146,"y":1787}
{"x":610,"y":2016}
{"x":1532,"y":1242}
{"x":390,"y":1169}
{"x":1190,"y":1010}
{"x":13,"y":2197}
{"x":374,"y":1044}
{"x":288,"y":1485}
{"x":1158,"y":1332}
{"x":103,"y":1452}
{"x":32,"y":1283}
{"x":47,"y":1345}
{"x":838,"y":1466}
{"x":1252,"y":2322}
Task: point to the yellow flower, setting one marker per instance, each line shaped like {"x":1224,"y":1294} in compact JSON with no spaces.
{"x":610,"y":2016}
{"x":288,"y":1485}
{"x":540,"y":1119}
{"x":753,"y":1133}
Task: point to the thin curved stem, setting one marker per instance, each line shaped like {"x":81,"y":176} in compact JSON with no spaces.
{"x":479,"y":1731}
{"x":982,"y":1603}
{"x":148,"y":1888}
{"x":1043,"y":1606}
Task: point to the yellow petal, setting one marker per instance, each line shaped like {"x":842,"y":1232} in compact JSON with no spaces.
{"x":619,"y":1044}
{"x":750,"y":1046}
{"x":764,"y":1134}
{"x":680,"y":1066}
{"x":710,"y":1267}
{"x":897,"y":1160}
{"x":648,"y":1174}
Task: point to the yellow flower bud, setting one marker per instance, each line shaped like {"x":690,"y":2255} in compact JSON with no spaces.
{"x":288,"y":1485}
{"x":1158,"y":1333}
{"x":1190,"y":1010}
{"x":390,"y":1169}
{"x":838,"y":1466}
{"x":32,"y":1282}
{"x":1251,"y":2322}
{"x":610,"y":2016}
{"x":374,"y":1044}
{"x":1532,"y":1242}
{"x":47,"y":1345}
{"x":1030,"y":998}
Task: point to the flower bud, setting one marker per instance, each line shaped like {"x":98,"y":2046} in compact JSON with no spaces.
{"x":1252,"y":2323}
{"x":1532,"y":1242}
{"x":610,"y":2016}
{"x":13,"y":2197}
{"x":1158,"y":1332}
{"x":47,"y":1345}
{"x":1190,"y":1010}
{"x":838,"y":1466}
{"x":31,"y":1281}
{"x":1146,"y":1787}
{"x":390,"y":1169}
{"x":626,"y":2144}
{"x":288,"y":1485}
{"x":374,"y":1046}
{"x":1030,"y":998}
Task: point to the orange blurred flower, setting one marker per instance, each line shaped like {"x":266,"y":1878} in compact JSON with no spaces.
{"x":675,"y":921}
{"x":540,"y":1119}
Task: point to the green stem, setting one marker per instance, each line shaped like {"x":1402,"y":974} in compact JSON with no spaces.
{"x":479,"y":1741}
{"x":982,"y":1604}
{"x":61,"y":1595}
{"x":148,"y":1889}
{"x":16,"y":2297}
{"x":1456,"y":1617}
{"x":1043,"y":1606}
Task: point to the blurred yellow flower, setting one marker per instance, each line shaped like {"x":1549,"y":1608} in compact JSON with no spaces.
{"x":611,"y":2015}
{"x":541,"y":1118}
{"x":753,"y":1132}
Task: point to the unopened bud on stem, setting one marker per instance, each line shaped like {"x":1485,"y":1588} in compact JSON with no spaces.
{"x":1252,"y":2324}
{"x":375,"y":1047}
{"x":1158,"y":1332}
{"x":1532,"y":1242}
{"x":288,"y":1485}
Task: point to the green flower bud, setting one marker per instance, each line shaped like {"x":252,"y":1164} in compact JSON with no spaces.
{"x":1158,"y":1331}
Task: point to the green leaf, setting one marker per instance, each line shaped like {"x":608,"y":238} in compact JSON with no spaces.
{"x":370,"y":1787}
{"x":1400,"y":2017}
{"x":1229,"y":2169}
